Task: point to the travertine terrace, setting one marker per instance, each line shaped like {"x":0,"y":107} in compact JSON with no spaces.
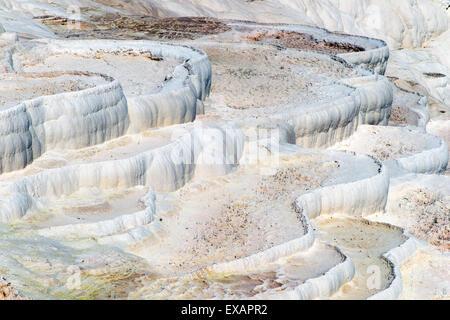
{"x":148,"y":156}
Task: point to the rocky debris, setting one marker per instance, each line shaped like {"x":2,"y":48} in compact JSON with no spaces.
{"x":276,"y":186}
{"x":295,"y":40}
{"x":136,"y":27}
{"x":231,"y":228}
{"x":67,"y":23}
{"x":7,"y":292}
{"x":185,"y":27}
{"x":430,"y":216}
{"x":246,"y":213}
{"x":398,"y":116}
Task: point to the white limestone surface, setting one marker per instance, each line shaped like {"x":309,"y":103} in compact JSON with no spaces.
{"x":372,"y":55}
{"x":323,"y":201}
{"x":359,"y":187}
{"x":156,"y":95}
{"x":323,"y":124}
{"x":408,"y":108}
{"x":192,"y":153}
{"x":68,"y":120}
{"x":399,"y":22}
{"x":419,"y":27}
{"x":322,"y":286}
{"x":95,"y":115}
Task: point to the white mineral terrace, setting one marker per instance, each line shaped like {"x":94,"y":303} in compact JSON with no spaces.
{"x":267,"y":161}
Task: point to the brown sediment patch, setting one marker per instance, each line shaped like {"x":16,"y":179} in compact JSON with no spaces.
{"x":67,"y":23}
{"x":186,"y":27}
{"x":434,"y":75}
{"x":165,"y":28}
{"x":295,"y":40}
{"x":149,"y":27}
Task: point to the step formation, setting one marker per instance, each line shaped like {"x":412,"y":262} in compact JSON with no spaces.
{"x":259,"y":162}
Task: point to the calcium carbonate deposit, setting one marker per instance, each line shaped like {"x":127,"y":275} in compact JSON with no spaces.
{"x":224,"y":149}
